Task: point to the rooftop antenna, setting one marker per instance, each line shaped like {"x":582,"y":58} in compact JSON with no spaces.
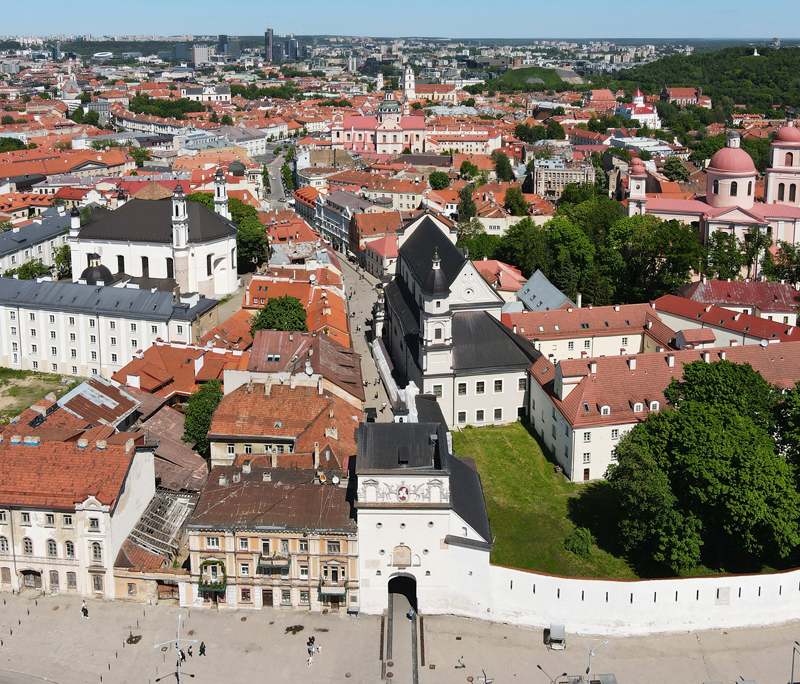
{"x":177,"y":644}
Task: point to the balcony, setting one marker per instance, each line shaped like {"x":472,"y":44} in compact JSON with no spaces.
{"x":328,"y":588}
{"x":273,"y":561}
{"x":206,"y":584}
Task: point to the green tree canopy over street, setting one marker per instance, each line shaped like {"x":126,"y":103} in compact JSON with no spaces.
{"x":280,"y":313}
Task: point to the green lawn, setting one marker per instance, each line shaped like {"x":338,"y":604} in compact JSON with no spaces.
{"x":519,"y":77}
{"x":20,"y":389}
{"x":530,"y":505}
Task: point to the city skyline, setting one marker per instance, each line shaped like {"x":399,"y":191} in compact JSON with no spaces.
{"x":587,"y":20}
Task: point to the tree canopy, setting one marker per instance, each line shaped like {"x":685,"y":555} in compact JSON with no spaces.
{"x":199,"y":411}
{"x":439,"y":180}
{"x":280,"y":313}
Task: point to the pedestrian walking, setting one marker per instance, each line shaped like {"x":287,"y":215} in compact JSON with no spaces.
{"x":84,"y":610}
{"x":202,"y":648}
{"x":310,"y":660}
{"x":376,"y":395}
{"x":312,"y":639}
{"x":410,"y":614}
{"x":311,"y":649}
{"x":319,"y":649}
{"x":183,"y":655}
{"x":189,"y":651}
{"x":383,"y":408}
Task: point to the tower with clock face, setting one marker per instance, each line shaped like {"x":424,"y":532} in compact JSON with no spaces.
{"x":420,"y":513}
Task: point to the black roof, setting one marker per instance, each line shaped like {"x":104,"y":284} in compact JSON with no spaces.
{"x":466,"y":495}
{"x":401,"y":301}
{"x":428,"y":409}
{"x":402,"y":446}
{"x":481,"y":342}
{"x":151,"y":221}
{"x":418,"y":252}
{"x":97,"y":274}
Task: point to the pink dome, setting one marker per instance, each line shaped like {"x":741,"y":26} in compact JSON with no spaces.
{"x":788,"y":134}
{"x":733,"y":160}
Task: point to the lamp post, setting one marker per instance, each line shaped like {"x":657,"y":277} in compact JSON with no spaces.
{"x":591,"y":655}
{"x":177,"y":641}
{"x":794,"y":651}
{"x":563,"y":674}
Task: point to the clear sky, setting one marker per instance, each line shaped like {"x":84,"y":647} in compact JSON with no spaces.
{"x":443,"y":18}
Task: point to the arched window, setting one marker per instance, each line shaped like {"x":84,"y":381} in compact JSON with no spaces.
{"x":97,"y":553}
{"x":605,"y":410}
{"x":781,"y":191}
{"x":792,"y":192}
{"x":734,"y":189}
{"x":749,"y":188}
{"x":69,"y":549}
{"x":789,"y":161}
{"x":654,"y":406}
{"x":3,"y":545}
{"x":54,"y":579}
{"x":52,"y":548}
{"x":120,"y":264}
{"x":209,"y":265}
{"x":638,"y":408}
{"x":27,"y":547}
{"x":716,"y":187}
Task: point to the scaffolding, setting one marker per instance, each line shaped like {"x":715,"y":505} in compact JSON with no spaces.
{"x":160,"y":527}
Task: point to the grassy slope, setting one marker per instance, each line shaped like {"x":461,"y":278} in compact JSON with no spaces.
{"x":519,"y":77}
{"x":528,"y":505}
{"x":20,"y":389}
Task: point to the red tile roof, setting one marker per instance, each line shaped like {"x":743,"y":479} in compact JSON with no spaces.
{"x":766,"y":296}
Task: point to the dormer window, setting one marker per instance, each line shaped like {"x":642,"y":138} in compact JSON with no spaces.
{"x":638,"y":407}
{"x":605,"y":410}
{"x":654,"y":406}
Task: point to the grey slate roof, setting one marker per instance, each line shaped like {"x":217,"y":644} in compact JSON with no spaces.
{"x":151,"y":221}
{"x":91,"y":299}
{"x":51,"y":226}
{"x":401,"y":301}
{"x":466,"y":495}
{"x":428,"y":409}
{"x":539,"y":294}
{"x":418,"y":252}
{"x":482,"y":343}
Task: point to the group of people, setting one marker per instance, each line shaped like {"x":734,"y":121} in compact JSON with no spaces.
{"x":189,"y":651}
{"x":312,"y":646}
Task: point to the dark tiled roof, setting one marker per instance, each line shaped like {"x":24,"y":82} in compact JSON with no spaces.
{"x":539,"y":294}
{"x":466,"y":494}
{"x":482,"y":343}
{"x":418,"y":252}
{"x":151,"y":221}
{"x":398,"y":446}
{"x":402,"y":303}
{"x":291,"y":501}
{"x":428,"y":409}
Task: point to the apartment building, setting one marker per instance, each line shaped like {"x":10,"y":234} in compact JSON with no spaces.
{"x":85,"y":330}
{"x":62,"y":532}
{"x":404,"y":194}
{"x":38,"y":239}
{"x":272,"y":538}
{"x":551,"y":176}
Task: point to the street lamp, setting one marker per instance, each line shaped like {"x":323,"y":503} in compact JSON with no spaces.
{"x":794,"y":651}
{"x":591,"y":655}
{"x":177,"y":641}
{"x":563,"y":674}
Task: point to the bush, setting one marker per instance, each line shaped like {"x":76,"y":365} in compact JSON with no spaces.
{"x":580,"y":542}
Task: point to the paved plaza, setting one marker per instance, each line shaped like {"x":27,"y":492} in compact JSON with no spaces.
{"x":49,"y":639}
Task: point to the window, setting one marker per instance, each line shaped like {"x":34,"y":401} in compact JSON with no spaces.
{"x":180,"y":330}
{"x":145,"y":267}
{"x":521,"y":384}
{"x":97,"y":582}
{"x":49,"y":519}
{"x":715,"y":187}
{"x":3,"y":545}
{"x":587,"y":344}
{"x":13,"y":315}
{"x":13,"y":330}
{"x":625,"y":341}
{"x":605,"y":410}
{"x":303,"y":572}
{"x":27,"y":547}
{"x":480,"y":387}
{"x":69,"y":549}
{"x":92,"y":323}
{"x":113,"y":358}
{"x":154,"y":330}
{"x":570,"y":345}
{"x":52,"y":334}
{"x":52,"y":549}
{"x":654,"y":406}
{"x":244,"y":544}
{"x":286,"y":597}
{"x":72,"y":337}
{"x":587,"y":436}
{"x":209,"y":266}
{"x":134,"y":344}
{"x":285,"y":548}
{"x":334,"y":547}
{"x":245,"y":569}
{"x":170,"y":268}
{"x":734,"y":188}
{"x":750,"y":188}
{"x":246,"y":596}
{"x":462,"y":416}
{"x":479,"y":416}
{"x":74,"y":370}
{"x":304,"y":597}
{"x":637,"y":407}
{"x":437,"y":334}
{"x":498,"y":386}
{"x":212,"y":542}
{"x":437,"y":391}
{"x":587,"y":457}
{"x":781,"y":191}
{"x":94,"y":355}
{"x":133,"y":327}
{"x":112,"y":325}
{"x":26,"y":518}
{"x":498,"y":414}
{"x":792,"y":192}
{"x":120,"y":264}
{"x":113,"y":341}
{"x":231,"y":449}
{"x":53,"y":351}
{"x":72,"y":580}
{"x":72,"y":320}
{"x":33,"y":332}
{"x":32,"y":316}
{"x":131,"y":588}
{"x":304,"y":545}
{"x":73,"y":353}
{"x":615,"y":433}
{"x":789,"y":159}
{"x":2,"y":516}
{"x":97,"y":553}
{"x":34,"y":349}
{"x":213,"y":571}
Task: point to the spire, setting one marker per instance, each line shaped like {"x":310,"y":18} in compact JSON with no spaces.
{"x":180,"y":219}
{"x":221,"y":194}
{"x":436,"y":263}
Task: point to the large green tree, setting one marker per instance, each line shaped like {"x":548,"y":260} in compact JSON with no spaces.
{"x":515,"y":201}
{"x":438,"y":180}
{"x":502,"y":167}
{"x":199,"y":411}
{"x":280,"y":313}
{"x":674,"y":169}
{"x":466,"y":203}
{"x":251,"y":240}
{"x":724,"y":257}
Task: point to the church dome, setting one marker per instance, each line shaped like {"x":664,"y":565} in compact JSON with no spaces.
{"x":236,"y":169}
{"x":97,"y":274}
{"x":732,"y":160}
{"x":788,"y":133}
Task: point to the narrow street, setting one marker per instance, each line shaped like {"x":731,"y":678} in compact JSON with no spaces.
{"x":364,"y":296}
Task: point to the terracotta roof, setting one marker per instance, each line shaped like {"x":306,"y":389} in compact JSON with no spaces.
{"x":588,"y":322}
{"x":233,"y":333}
{"x":766,"y":296}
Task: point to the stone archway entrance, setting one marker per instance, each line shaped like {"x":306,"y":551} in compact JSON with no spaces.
{"x":406,"y":586}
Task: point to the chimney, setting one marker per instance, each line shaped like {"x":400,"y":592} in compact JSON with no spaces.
{"x":237,"y":477}
{"x":246,"y":467}
{"x":649,"y":324}
{"x":652,"y":304}
{"x":616,"y":307}
{"x":579,"y":300}
{"x":704,"y":279}
{"x":632,"y":363}
{"x":706,"y":357}
{"x":101,"y":444}
{"x":82,"y":443}
{"x":723,"y":355}
{"x":671,"y":360}
{"x":593,"y":367}
{"x":129,"y":445}
{"x":266,"y":476}
{"x":267,"y":387}
{"x":316,"y":455}
{"x":514,"y":328}
{"x":30,"y":441}
{"x":737,"y":316}
{"x":584,"y":354}
{"x":223,"y":480}
{"x":734,"y":343}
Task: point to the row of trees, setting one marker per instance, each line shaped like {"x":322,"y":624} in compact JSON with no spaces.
{"x":174,"y":109}
{"x":715,"y":480}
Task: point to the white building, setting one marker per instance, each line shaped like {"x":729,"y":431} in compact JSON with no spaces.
{"x":163,"y":242}
{"x":642,"y":112}
{"x":64,"y":534}
{"x":85,"y":330}
{"x":39,"y":240}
